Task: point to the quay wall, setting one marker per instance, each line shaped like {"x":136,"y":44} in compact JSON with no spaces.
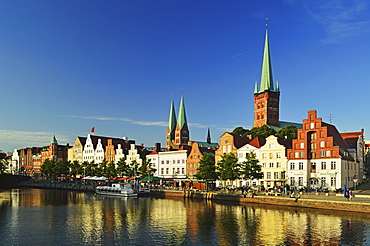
{"x":323,"y":203}
{"x":303,"y":202}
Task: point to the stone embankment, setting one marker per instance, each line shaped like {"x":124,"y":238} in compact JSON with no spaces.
{"x":360,"y":203}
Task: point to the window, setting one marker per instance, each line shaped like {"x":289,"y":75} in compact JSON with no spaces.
{"x":301,"y":145}
{"x":182,"y":170}
{"x":301,"y":166}
{"x":323,"y":181}
{"x":224,"y":149}
{"x":264,"y":165}
{"x":328,"y":153}
{"x":167,"y":162}
{"x":276,"y":175}
{"x":264,"y":156}
{"x":296,"y":155}
{"x":323,"y":165}
{"x":301,"y":154}
{"x":292,"y":181}
{"x":333,"y":181}
{"x":312,"y":125}
{"x":271,"y":146}
{"x":313,"y":145}
{"x":271,"y":164}
{"x":278,"y":155}
{"x":322,"y":144}
{"x":300,"y":181}
{"x":271,"y":155}
{"x":322,"y":153}
{"x":268,"y":175}
{"x":167,"y":170}
{"x":228,"y":148}
{"x":278,"y":164}
{"x":313,"y":166}
{"x":162,"y":170}
{"x":292,"y":166}
{"x":333,"y":165}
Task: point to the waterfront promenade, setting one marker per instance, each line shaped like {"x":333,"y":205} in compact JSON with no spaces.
{"x":334,"y":201}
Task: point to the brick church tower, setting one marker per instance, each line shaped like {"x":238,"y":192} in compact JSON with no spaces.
{"x":266,"y":97}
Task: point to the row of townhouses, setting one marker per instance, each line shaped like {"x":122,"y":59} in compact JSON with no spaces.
{"x":321,"y":156}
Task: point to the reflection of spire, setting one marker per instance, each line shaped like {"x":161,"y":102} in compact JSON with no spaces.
{"x":209,"y":137}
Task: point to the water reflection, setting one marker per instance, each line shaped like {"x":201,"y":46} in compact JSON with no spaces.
{"x":50,"y":217}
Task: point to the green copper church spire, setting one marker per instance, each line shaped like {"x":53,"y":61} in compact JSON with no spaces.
{"x":266,"y":76}
{"x":171,"y":124}
{"x":181,"y":120}
{"x":54,"y":140}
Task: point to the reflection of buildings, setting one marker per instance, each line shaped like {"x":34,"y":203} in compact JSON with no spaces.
{"x":82,"y":217}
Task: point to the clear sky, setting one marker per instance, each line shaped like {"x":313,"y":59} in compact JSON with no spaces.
{"x":67,"y":66}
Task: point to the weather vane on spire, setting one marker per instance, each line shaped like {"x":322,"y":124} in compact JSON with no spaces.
{"x":267,"y":22}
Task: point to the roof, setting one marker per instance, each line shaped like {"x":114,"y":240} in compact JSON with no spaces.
{"x":267,"y":83}
{"x":351,"y":138}
{"x":338,"y":140}
{"x":258,"y":142}
{"x":283,"y":124}
{"x":54,"y":140}
{"x":181,"y":120}
{"x":207,"y":145}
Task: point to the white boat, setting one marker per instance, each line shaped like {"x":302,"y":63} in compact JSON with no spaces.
{"x":118,"y":189}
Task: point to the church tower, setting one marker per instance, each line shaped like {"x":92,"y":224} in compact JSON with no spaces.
{"x":266,"y":97}
{"x":182,"y":130}
{"x":170,"y":133}
{"x":53,"y":149}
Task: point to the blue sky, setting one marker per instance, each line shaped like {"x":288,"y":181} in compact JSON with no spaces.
{"x":67,"y":66}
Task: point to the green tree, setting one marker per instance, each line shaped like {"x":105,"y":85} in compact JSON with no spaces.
{"x":146,"y":168}
{"x":241,"y":131}
{"x":134,"y":171}
{"x":207,"y":168}
{"x":123,"y":168}
{"x":263,"y":131}
{"x":48,"y":168}
{"x":250,"y":169}
{"x":61,"y":168}
{"x":289,"y":132}
{"x":3,"y":162}
{"x":110,"y":171}
{"x":228,"y":167}
{"x":74,"y":168}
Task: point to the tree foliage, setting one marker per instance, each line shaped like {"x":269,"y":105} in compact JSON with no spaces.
{"x":289,"y":132}
{"x":241,"y":131}
{"x":250,"y":169}
{"x":207,"y":168}
{"x":263,"y":131}
{"x":228,"y":167}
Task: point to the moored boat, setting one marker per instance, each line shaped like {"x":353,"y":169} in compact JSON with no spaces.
{"x":117,"y":189}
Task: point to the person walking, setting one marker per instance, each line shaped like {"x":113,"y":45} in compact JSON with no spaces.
{"x":350,"y":193}
{"x":347,"y":194}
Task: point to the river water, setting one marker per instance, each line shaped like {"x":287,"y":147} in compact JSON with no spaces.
{"x":54,"y":217}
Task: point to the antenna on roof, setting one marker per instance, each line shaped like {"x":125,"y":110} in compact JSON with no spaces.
{"x":331,"y":119}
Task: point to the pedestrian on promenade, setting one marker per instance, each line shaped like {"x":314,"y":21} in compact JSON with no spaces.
{"x":347,"y":194}
{"x":350,"y":193}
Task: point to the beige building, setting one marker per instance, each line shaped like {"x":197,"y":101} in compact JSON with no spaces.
{"x":274,"y":161}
